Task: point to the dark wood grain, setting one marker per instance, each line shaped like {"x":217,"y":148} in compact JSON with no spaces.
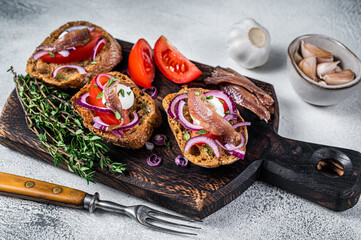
{"x":195,"y":191}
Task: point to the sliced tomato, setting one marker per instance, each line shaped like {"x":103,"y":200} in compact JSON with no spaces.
{"x":108,"y":118}
{"x":141,"y":65}
{"x":172,"y":63}
{"x":79,"y":54}
{"x":225,"y":106}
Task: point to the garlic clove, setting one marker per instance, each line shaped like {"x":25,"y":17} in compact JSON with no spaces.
{"x":338,"y":69}
{"x":248,"y":43}
{"x":326,"y":68}
{"x":339,"y":78}
{"x":308,"y":67}
{"x":310,"y":50}
{"x":297,"y":56}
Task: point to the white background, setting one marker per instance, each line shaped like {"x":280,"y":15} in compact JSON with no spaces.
{"x":198,"y":29}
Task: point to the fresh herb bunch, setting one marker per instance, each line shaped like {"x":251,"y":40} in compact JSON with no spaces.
{"x":50,"y":115}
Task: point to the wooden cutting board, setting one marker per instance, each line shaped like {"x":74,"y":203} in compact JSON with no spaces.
{"x":198,"y":192}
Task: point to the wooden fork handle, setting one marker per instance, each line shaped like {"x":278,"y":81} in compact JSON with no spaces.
{"x":31,"y":189}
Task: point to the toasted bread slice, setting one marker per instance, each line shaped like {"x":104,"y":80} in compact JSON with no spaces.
{"x":106,"y":59}
{"x":136,"y":137}
{"x":197,"y":155}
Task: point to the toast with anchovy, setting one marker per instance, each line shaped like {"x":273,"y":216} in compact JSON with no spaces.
{"x":144,"y":105}
{"x":105,"y":60}
{"x":198,"y":154}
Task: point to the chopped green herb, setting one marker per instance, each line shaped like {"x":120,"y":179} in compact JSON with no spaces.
{"x":196,"y":93}
{"x":110,"y":81}
{"x":112,"y":91}
{"x":221,"y":101}
{"x":105,"y":103}
{"x":57,"y":76}
{"x":228,"y":112}
{"x":100,"y":95}
{"x":144,"y":105}
{"x":66,"y":31}
{"x":93,"y":63}
{"x":51,"y":54}
{"x":203,"y":131}
{"x":85,"y":41}
{"x":95,"y":86}
{"x":121,"y":92}
{"x":91,"y":38}
{"x":202,"y":98}
{"x":186,"y":136}
{"x":117,"y":115}
{"x":64,"y":78}
{"x":166,"y":143}
{"x":209,"y":97}
{"x":210,"y":153}
{"x":129,"y":93}
{"x":102,"y":35}
{"x":205,"y":150}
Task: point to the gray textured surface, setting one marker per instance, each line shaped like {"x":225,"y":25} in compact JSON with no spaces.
{"x":198,"y":29}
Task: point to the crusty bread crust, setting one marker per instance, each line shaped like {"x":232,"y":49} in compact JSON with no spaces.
{"x":106,"y":59}
{"x":196,"y":154}
{"x":136,"y":137}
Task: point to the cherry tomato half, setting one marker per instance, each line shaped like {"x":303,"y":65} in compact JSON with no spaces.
{"x":172,"y":63}
{"x":108,"y":118}
{"x":140,"y":64}
{"x":79,"y":54}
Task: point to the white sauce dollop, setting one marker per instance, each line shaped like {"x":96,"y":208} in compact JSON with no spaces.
{"x":127,"y":100}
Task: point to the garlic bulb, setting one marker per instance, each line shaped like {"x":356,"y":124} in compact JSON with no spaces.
{"x":249,"y":43}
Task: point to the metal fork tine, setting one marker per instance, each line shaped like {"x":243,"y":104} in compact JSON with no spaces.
{"x":183,"y":218}
{"x":155,"y":219}
{"x":168,"y":230}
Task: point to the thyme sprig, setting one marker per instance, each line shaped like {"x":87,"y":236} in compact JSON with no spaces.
{"x":50,"y":115}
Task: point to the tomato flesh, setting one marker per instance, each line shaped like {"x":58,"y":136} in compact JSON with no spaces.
{"x":79,"y":54}
{"x":140,"y":64}
{"x":172,"y":63}
{"x":108,"y":118}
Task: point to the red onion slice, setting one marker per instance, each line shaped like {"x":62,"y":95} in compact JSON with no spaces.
{"x":83,"y":103}
{"x":183,"y":120}
{"x":153,"y":160}
{"x":118,"y":133}
{"x":154,"y":92}
{"x":149,"y":146}
{"x":171,"y":109}
{"x":95,"y":49}
{"x":81,"y":70}
{"x":132,"y":123}
{"x":99,"y":124}
{"x":240,"y":124}
{"x":73,"y":28}
{"x":229,"y":117}
{"x":203,"y":139}
{"x":39,"y":54}
{"x":97,"y":82}
{"x":231,"y":147}
{"x":231,"y":106}
{"x":238,"y":153}
{"x":159,"y":139}
{"x":180,"y":160}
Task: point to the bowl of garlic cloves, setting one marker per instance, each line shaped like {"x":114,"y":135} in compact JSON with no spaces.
{"x":322,"y":70}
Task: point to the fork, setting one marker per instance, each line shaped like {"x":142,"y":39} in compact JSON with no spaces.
{"x":31,"y":189}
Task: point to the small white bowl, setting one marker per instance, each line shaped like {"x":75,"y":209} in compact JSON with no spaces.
{"x":316,"y":93}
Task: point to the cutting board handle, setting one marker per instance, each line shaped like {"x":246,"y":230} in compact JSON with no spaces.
{"x":31,"y":189}
{"x":329,"y":176}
